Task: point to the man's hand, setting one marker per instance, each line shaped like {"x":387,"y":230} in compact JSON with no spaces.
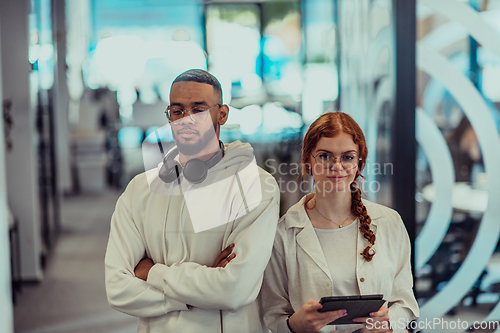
{"x":142,"y":269}
{"x":225,"y":256}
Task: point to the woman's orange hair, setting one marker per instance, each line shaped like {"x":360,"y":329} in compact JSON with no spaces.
{"x":329,"y":125}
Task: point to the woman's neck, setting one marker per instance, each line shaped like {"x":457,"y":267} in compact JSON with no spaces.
{"x":333,"y":205}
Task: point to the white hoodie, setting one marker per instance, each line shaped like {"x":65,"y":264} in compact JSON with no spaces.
{"x":161,"y":227}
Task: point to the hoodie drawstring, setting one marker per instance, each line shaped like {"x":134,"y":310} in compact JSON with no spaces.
{"x":183,"y":225}
{"x":164,"y":243}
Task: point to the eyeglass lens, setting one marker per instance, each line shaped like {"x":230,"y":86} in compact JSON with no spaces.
{"x":197,"y":114}
{"x":327,"y":160}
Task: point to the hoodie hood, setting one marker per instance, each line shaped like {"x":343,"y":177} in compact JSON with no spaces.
{"x":235,"y":152}
{"x":237,"y":156}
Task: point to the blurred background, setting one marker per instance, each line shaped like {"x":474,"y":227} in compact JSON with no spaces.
{"x":84,"y":82}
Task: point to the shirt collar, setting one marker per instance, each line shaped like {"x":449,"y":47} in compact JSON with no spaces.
{"x":297,"y":216}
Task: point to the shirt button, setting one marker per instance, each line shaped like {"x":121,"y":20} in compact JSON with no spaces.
{"x":362,"y":279}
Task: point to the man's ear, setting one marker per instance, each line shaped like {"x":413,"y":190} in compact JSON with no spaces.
{"x":223,"y":114}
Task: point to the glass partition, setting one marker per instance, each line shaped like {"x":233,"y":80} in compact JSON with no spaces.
{"x":457,"y":258}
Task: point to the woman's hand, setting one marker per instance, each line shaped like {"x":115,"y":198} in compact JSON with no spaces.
{"x":377,"y":322}
{"x":308,"y":319}
{"x":225,"y":256}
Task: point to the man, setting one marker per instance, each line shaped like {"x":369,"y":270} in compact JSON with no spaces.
{"x":192,"y":260}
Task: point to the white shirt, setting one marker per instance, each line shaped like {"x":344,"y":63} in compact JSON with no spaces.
{"x":339,"y":248}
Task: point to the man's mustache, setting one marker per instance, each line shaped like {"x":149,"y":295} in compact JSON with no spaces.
{"x":187,"y":129}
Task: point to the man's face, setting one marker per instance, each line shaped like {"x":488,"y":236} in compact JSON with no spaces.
{"x":191,"y":138}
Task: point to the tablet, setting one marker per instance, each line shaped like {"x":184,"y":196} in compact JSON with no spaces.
{"x":356,"y":306}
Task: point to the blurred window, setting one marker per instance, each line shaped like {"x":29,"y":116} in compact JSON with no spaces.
{"x":320,"y":89}
{"x":130,"y":137}
{"x":233,"y":45}
{"x":282,"y":47}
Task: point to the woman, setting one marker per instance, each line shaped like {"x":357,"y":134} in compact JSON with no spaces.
{"x":333,"y":243}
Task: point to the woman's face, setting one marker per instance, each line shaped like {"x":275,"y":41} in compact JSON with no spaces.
{"x":336,"y":178}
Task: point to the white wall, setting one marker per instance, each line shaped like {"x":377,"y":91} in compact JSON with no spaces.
{"x":6,"y":324}
{"x":21,"y":165}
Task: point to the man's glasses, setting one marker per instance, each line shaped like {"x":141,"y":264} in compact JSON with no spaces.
{"x":198,"y":114}
{"x":327,"y":160}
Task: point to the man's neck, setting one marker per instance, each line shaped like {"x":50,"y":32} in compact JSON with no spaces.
{"x":204,"y":154}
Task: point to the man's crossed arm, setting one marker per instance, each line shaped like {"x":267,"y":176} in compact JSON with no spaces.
{"x":142,"y":269}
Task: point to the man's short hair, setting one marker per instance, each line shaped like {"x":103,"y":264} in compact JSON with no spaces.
{"x":200,"y":76}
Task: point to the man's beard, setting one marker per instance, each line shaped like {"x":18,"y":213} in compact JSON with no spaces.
{"x":195,"y":147}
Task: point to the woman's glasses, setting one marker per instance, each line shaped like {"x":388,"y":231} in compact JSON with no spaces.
{"x":327,"y":160}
